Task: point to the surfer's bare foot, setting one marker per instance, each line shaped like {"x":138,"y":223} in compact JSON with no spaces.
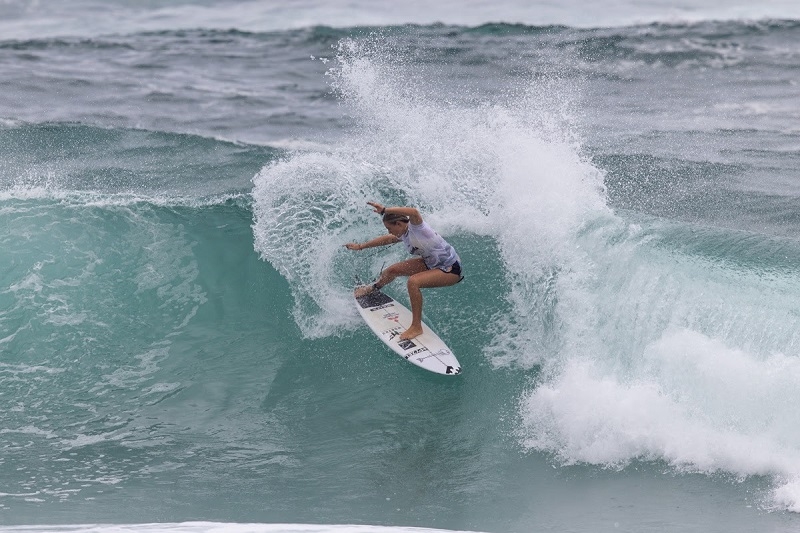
{"x":410,"y":333}
{"x":363,"y":290}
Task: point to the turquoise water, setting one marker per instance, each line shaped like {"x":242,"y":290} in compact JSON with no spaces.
{"x":178,"y":342}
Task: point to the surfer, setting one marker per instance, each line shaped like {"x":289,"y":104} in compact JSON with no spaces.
{"x":437,"y":266}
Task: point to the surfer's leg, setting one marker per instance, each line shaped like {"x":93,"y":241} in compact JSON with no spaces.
{"x":424,"y":280}
{"x":403,"y":268}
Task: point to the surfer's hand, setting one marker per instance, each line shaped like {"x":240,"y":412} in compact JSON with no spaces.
{"x":378,"y":207}
{"x":352,"y":246}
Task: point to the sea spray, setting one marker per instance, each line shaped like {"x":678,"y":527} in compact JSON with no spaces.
{"x":507,"y":169}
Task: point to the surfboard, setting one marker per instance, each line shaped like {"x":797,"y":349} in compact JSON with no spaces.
{"x":387,"y":318}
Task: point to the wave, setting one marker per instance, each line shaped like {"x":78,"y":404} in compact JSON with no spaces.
{"x":21,"y":20}
{"x":595,"y":52}
{"x":643,"y":332}
{"x":650,"y":339}
{"x":95,"y":165}
{"x":328,"y":34}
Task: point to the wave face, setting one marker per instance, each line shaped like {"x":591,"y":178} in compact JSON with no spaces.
{"x":177,"y":337}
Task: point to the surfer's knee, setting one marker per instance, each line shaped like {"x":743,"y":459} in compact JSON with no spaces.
{"x":388,"y":274}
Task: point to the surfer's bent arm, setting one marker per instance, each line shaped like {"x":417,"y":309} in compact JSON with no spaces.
{"x":412,"y":213}
{"x":383,"y":240}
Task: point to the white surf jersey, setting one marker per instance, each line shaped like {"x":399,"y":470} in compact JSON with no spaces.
{"x":422,"y":240}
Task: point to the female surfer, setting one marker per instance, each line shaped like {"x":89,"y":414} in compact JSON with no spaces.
{"x":437,"y":266}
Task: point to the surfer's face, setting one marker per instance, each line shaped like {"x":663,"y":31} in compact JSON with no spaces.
{"x":396,"y":227}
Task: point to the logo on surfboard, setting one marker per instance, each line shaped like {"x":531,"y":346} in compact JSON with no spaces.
{"x":406,"y":344}
{"x":394,"y":317}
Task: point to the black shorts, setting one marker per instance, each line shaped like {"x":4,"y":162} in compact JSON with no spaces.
{"x":455,"y":268}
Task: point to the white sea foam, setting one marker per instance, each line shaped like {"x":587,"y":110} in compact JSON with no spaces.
{"x":695,"y":403}
{"x":220,"y":527}
{"x":27,"y":369}
{"x":687,"y":398}
{"x":29,"y":430}
{"x":86,"y":198}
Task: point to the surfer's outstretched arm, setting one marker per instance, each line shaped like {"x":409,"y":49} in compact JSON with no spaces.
{"x":383,"y":240}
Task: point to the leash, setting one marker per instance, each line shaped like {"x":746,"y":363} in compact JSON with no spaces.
{"x":367,"y":256}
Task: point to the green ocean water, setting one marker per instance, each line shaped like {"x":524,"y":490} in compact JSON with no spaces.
{"x":150,"y":351}
{"x":189,"y":375}
{"x":186,"y":391}
{"x":161,"y":370}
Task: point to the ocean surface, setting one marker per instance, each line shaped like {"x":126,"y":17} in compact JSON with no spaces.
{"x":179,"y":350}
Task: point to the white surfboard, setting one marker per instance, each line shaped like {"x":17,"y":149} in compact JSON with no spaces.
{"x":388,"y":319}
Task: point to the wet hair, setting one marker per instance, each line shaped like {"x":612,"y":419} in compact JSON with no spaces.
{"x":390,"y":218}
